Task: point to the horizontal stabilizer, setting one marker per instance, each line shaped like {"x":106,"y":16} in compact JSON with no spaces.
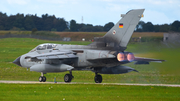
{"x":140,"y":60}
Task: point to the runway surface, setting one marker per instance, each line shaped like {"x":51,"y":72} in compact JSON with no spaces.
{"x":134,"y":84}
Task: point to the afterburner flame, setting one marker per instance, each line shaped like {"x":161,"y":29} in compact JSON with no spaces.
{"x":130,"y":57}
{"x":120,"y":57}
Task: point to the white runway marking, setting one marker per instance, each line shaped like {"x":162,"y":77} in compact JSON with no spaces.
{"x":129,"y":84}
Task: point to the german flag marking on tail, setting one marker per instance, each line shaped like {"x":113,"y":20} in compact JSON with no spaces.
{"x":121,"y":25}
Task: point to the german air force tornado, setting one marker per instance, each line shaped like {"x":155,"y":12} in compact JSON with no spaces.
{"x":106,"y":55}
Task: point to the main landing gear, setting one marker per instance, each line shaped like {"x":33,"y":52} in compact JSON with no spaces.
{"x":68,"y":77}
{"x":42,"y":78}
{"x":98,"y":78}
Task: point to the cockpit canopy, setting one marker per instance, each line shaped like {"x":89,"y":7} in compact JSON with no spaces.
{"x":44,"y":47}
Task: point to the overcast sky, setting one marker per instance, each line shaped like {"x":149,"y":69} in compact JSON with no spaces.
{"x":96,"y":12}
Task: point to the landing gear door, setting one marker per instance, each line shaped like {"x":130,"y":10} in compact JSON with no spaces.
{"x":82,"y":59}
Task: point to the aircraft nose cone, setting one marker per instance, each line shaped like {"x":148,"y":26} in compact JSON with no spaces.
{"x":17,"y":61}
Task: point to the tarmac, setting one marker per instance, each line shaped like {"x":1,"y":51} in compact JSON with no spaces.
{"x":129,"y":84}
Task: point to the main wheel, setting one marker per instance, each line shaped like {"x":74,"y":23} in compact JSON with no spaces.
{"x":68,"y":78}
{"x":40,"y":79}
{"x":44,"y":79}
{"x":98,"y":78}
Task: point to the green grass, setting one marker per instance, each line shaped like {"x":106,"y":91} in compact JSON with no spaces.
{"x":86,"y":92}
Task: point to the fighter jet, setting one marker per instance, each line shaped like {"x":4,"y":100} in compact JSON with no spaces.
{"x":106,"y":55}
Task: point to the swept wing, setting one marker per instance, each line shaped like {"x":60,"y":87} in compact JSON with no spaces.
{"x":53,"y":55}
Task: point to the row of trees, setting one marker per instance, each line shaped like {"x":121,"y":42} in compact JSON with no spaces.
{"x":28,"y":22}
{"x":51,"y":23}
{"x":149,"y":27}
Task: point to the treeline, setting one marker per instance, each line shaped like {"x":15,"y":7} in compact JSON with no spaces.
{"x":149,"y":27}
{"x":51,"y":23}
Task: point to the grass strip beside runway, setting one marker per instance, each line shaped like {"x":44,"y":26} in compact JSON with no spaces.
{"x":88,"y":92}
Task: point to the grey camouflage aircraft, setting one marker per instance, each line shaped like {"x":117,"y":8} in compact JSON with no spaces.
{"x":104,"y":56}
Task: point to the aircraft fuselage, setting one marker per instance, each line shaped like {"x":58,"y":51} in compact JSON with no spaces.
{"x":84,"y":53}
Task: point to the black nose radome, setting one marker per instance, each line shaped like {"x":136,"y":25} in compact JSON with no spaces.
{"x":17,"y":61}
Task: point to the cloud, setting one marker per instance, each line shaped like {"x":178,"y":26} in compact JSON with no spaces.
{"x":60,"y":1}
{"x":19,"y":2}
{"x":156,"y":17}
{"x":163,"y":2}
{"x":53,"y":1}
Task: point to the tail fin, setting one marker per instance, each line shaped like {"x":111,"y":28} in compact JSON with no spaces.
{"x":121,"y":33}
